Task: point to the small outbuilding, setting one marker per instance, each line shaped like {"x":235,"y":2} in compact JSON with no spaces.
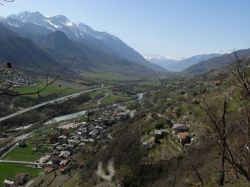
{"x":180,"y":127}
{"x":184,"y":138}
{"x":64,"y":154}
{"x":22,"y":178}
{"x":9,"y":183}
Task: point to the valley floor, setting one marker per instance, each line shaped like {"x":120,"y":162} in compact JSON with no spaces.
{"x":161,"y":138}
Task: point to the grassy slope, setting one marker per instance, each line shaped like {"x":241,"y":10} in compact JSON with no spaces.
{"x":167,"y":100}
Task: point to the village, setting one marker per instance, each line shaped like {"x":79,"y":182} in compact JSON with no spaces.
{"x":92,"y":128}
{"x":72,"y":137}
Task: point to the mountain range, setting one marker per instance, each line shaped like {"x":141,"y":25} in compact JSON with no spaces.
{"x":36,"y":42}
{"x":29,"y":35}
{"x":198,"y":64}
{"x":177,"y":65}
{"x":23,"y":52}
{"x":216,"y":62}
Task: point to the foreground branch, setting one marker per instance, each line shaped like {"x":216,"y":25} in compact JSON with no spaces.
{"x":7,"y":92}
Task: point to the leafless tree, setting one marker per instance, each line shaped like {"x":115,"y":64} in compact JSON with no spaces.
{"x":218,"y":120}
{"x":198,"y":175}
{"x":237,"y":156}
{"x":241,"y":73}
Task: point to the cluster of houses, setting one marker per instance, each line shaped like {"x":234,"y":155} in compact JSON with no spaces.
{"x":73,"y":137}
{"x":67,"y":145}
{"x":21,"y":81}
{"x":179,"y":130}
{"x":17,"y":80}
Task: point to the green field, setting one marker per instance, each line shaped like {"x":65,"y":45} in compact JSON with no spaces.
{"x":37,"y":141}
{"x":98,"y":93}
{"x":22,"y":154}
{"x":115,"y":99}
{"x":10,"y":171}
{"x":106,"y":76}
{"x":49,"y":90}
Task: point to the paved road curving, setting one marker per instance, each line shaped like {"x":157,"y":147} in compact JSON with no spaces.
{"x":100,"y":100}
{"x":61,"y":99}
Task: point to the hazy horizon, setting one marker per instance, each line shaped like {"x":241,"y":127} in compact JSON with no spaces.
{"x":175,"y":29}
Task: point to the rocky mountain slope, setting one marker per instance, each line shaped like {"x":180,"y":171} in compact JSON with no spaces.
{"x":61,"y":40}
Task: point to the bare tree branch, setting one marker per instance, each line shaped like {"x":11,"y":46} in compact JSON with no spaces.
{"x":238,"y":155}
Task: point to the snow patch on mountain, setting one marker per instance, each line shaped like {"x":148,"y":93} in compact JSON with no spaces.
{"x":160,"y":57}
{"x":70,"y":24}
{"x":52,"y":24}
{"x":227,"y":51}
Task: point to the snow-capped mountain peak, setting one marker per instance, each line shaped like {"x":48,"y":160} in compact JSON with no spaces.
{"x":28,"y":17}
{"x":159,"y":57}
{"x":58,"y":22}
{"x":52,"y":23}
{"x":178,"y":64}
{"x":34,"y":23}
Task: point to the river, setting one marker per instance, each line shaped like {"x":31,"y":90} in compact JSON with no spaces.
{"x":80,"y":114}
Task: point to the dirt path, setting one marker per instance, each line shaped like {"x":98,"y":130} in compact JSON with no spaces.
{"x":109,"y":175}
{"x":174,"y":144}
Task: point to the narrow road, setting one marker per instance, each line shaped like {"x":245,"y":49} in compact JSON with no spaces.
{"x":30,"y":183}
{"x":61,"y":99}
{"x":20,"y":162}
{"x":100,"y":100}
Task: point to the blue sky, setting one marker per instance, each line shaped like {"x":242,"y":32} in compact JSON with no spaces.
{"x":177,"y":28}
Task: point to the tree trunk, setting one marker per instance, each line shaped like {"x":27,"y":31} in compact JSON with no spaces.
{"x":248,"y":146}
{"x":222,"y":172}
